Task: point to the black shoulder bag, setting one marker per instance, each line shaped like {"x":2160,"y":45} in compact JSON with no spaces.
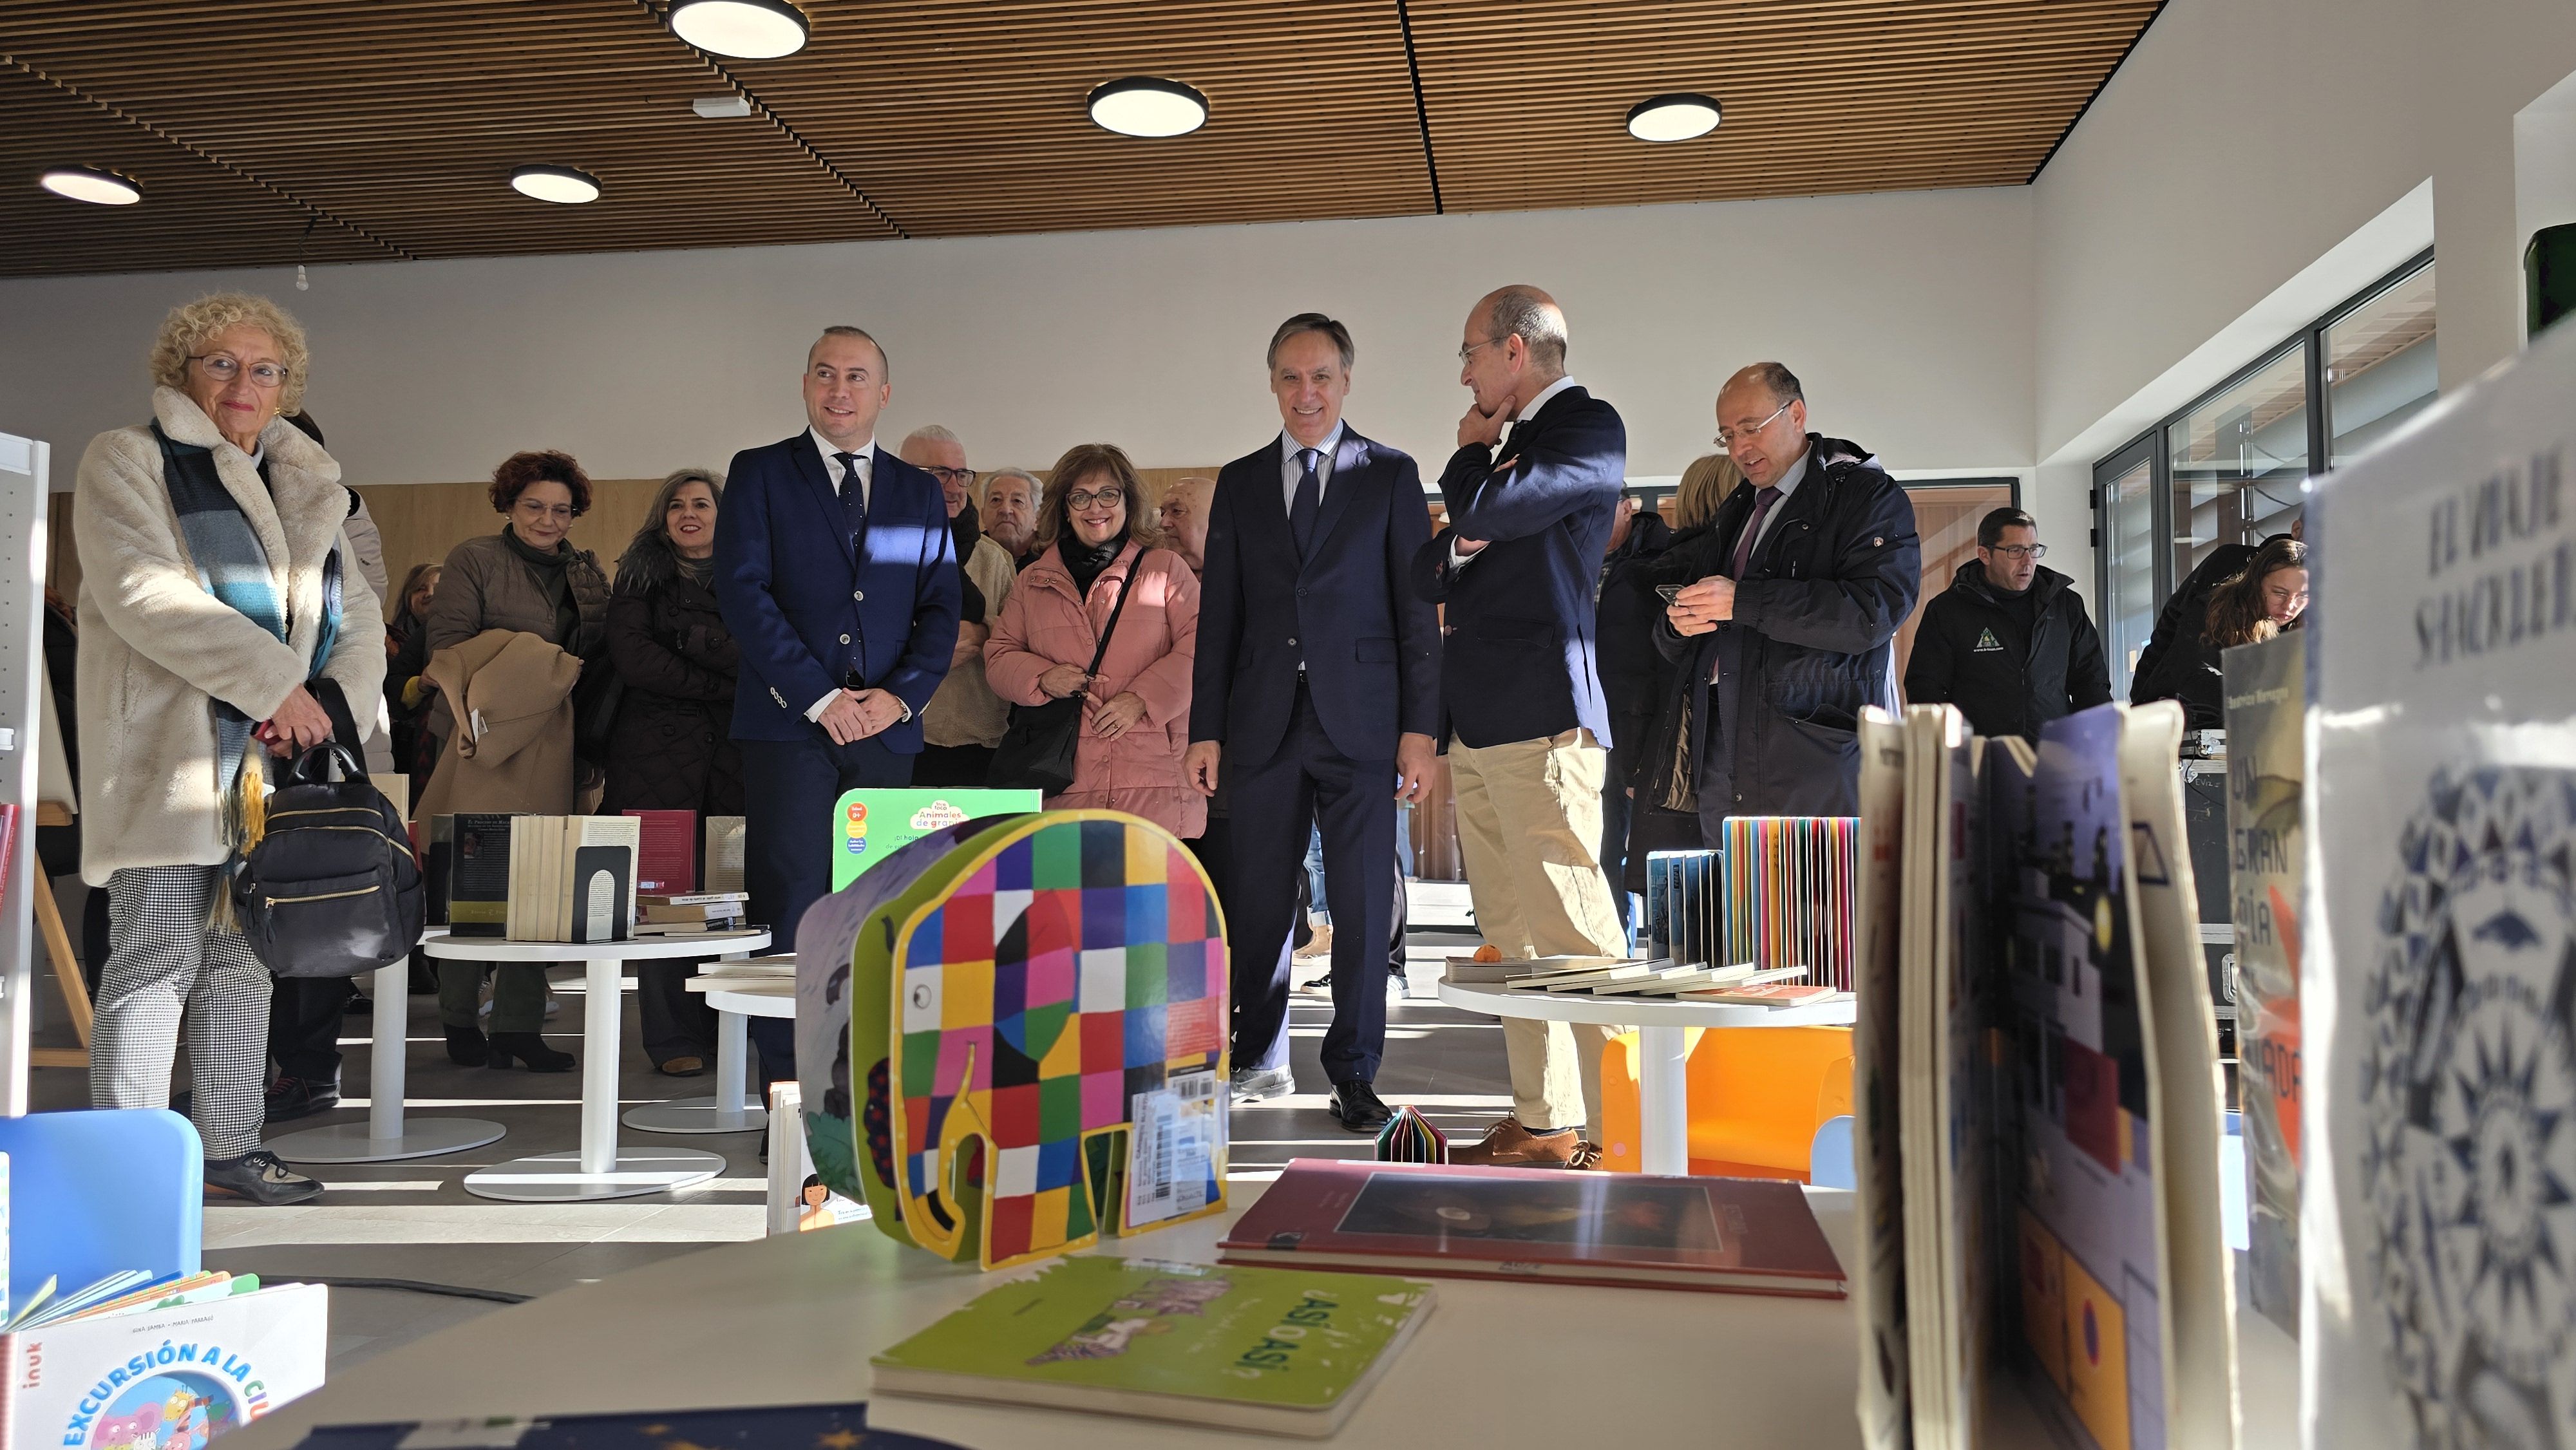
{"x":1037,"y":750}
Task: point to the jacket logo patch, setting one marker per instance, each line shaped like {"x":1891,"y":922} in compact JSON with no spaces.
{"x":1986,"y":641}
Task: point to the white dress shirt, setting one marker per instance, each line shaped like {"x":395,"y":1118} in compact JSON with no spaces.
{"x":833,"y":470}
{"x":1529,"y":409}
{"x":1290,"y":470}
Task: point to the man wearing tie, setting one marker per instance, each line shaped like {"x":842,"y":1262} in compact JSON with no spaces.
{"x":835,"y":574}
{"x":1315,"y":699}
{"x":1527,"y":525}
{"x":1804,"y":577}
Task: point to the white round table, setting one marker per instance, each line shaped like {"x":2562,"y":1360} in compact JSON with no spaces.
{"x":733,"y":999}
{"x":386,"y":1135}
{"x":599,"y":1168}
{"x":1663,"y":1075}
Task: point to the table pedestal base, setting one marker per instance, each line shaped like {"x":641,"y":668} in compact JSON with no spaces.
{"x":695,"y":1115}
{"x":560,"y":1177}
{"x":1663,"y":1101}
{"x":357,"y":1143}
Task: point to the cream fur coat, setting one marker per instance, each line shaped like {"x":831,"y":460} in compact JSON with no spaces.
{"x":154,"y":645}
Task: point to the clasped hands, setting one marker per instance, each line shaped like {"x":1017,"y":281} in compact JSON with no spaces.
{"x":1109,"y":718}
{"x":854,"y":715}
{"x":1701,"y":607}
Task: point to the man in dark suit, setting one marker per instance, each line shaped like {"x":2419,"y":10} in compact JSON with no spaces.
{"x":1315,"y":700}
{"x":835,"y":573}
{"x":1806,"y":574}
{"x":1521,"y":688}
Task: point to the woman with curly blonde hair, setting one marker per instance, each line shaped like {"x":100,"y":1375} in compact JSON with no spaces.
{"x":215,"y":634}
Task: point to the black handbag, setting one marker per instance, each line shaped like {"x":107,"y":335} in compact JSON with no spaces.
{"x":332,"y":889}
{"x":1037,"y":751}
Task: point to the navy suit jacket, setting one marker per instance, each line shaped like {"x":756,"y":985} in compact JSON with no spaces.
{"x":1518,"y":661}
{"x":1370,"y":644}
{"x":807,"y":610}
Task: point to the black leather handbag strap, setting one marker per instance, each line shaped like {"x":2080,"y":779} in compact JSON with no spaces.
{"x":1126,"y":587}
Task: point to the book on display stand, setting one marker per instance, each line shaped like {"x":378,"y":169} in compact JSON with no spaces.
{"x":2266,"y":686}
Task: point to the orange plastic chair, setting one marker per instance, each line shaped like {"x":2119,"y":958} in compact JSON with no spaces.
{"x":1757,"y":1095}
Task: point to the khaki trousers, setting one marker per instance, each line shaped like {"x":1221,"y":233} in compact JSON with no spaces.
{"x":1529,"y":832}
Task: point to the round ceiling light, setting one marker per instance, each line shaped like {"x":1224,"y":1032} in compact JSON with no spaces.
{"x":555,"y":183}
{"x":749,"y":29}
{"x":1145,"y":106}
{"x":91,"y":184}
{"x":1676,"y":117}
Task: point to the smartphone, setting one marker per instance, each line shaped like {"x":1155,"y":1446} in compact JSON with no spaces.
{"x":1668,"y":591}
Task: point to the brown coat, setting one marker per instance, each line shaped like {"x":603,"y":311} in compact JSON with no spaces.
{"x":485,"y":586}
{"x":521,"y":758}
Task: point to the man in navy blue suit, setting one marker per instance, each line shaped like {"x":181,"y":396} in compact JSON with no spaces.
{"x":835,"y":573}
{"x":1315,"y":699}
{"x":1521,"y":689}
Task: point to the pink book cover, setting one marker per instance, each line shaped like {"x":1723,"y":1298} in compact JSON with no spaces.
{"x":1745,"y":1235}
{"x":668,"y":861}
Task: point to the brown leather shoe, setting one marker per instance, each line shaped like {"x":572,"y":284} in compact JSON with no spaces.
{"x":1509,"y":1145}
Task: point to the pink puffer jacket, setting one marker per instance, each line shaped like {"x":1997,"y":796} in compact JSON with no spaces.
{"x":1045,"y":623}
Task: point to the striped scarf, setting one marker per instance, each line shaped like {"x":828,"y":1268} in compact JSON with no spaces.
{"x":233,"y":566}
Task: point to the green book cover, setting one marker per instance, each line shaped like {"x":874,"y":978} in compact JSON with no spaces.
{"x":1122,"y":1334}
{"x":868,"y":824}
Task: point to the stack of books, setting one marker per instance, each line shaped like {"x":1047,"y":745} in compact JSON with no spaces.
{"x":692,"y":913}
{"x":572,"y":878}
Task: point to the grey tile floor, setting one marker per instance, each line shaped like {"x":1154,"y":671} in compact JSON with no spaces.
{"x":415,"y":1221}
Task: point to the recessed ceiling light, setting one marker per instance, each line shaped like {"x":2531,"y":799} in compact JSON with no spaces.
{"x":1676,"y":117}
{"x":750,"y":29}
{"x":555,"y":183}
{"x":1145,"y":106}
{"x":721,"y":108}
{"x":92,"y":184}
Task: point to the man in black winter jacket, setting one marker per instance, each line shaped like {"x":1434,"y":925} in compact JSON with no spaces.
{"x":1635,"y":676}
{"x":1803,"y":579}
{"x":2008,"y":642}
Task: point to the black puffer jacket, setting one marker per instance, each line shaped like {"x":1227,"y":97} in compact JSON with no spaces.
{"x":1962,"y":655}
{"x":670,"y":749}
{"x":1816,"y":616}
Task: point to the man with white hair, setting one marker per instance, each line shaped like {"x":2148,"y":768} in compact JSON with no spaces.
{"x":1011,"y":512}
{"x":963,"y":723}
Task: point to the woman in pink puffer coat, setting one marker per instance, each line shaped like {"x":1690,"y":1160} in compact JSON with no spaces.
{"x":1097,"y":537}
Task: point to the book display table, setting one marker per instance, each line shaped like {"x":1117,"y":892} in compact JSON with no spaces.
{"x":386,"y":1135}
{"x":731,"y":1110}
{"x":599,"y":1168}
{"x":1663,"y":1078}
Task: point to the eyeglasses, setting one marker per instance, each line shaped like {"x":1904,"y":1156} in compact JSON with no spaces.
{"x":1467,"y":353}
{"x":964,"y":476}
{"x":559,"y":512}
{"x":224,"y":367}
{"x":1726,"y":436}
{"x":1085,"y":498}
{"x":2017,"y":552}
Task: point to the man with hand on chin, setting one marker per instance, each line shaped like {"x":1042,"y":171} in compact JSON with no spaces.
{"x":1314,"y":701}
{"x":835,"y":572}
{"x":1529,"y":517}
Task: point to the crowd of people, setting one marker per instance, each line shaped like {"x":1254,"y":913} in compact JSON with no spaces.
{"x":1274,"y":656}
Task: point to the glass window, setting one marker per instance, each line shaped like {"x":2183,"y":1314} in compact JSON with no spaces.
{"x":2128,"y":536}
{"x":2237,"y":459}
{"x":2379,"y":365}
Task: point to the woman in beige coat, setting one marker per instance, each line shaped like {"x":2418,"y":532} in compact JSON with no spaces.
{"x":210,"y":543}
{"x":527,"y":579}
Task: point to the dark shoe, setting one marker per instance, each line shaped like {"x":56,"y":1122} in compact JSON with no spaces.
{"x":1261,"y":1084}
{"x":1355,"y":1106}
{"x":1509,"y":1145}
{"x":465,"y":1047}
{"x":685,"y":1066}
{"x":290,"y":1098}
{"x":257,"y":1177}
{"x":529,"y":1048}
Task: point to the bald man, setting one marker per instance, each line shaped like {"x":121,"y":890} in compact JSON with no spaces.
{"x":1529,"y":516}
{"x":1185,"y":519}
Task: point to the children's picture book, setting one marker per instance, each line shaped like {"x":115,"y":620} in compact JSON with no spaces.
{"x":160,"y":1375}
{"x":2437,"y":1232}
{"x":869,"y":824}
{"x":1742,"y":1235}
{"x":1288,"y":1352}
{"x":2266,"y":694}
{"x":764,"y":1427}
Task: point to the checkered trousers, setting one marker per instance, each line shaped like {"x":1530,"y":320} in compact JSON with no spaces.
{"x":165,"y":962}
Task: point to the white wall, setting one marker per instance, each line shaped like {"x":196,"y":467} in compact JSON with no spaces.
{"x":1907,"y":315}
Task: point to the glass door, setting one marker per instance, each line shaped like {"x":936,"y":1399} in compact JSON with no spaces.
{"x":2126,"y":551}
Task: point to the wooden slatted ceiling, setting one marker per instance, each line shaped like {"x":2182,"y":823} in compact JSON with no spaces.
{"x":397,"y":122}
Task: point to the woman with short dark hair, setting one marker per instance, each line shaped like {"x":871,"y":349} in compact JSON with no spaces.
{"x":526,"y":579}
{"x":672,"y":747}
